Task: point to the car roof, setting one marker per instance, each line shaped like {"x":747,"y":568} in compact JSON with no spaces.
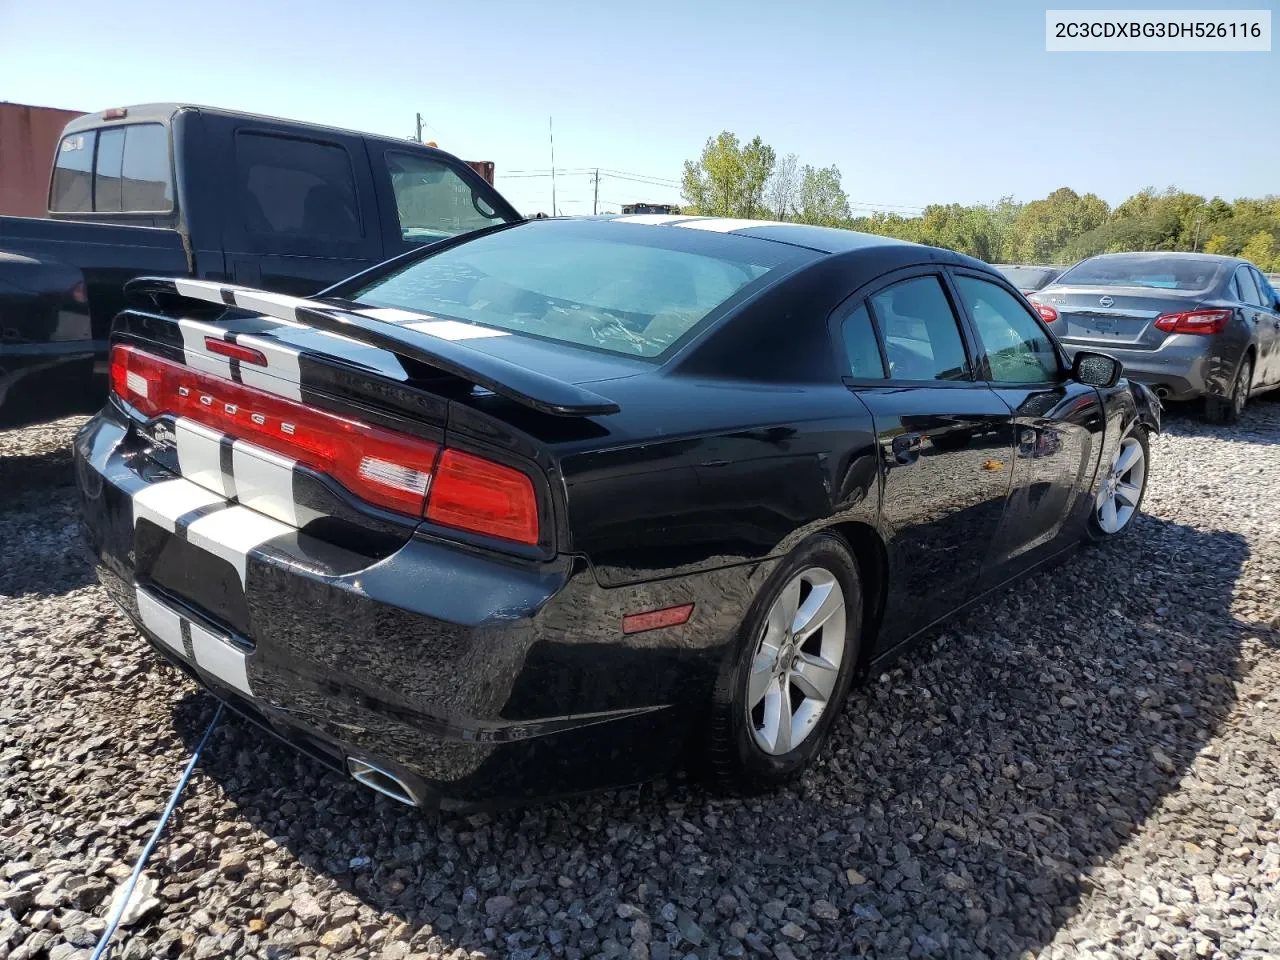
{"x":819,"y":239}
{"x":163,"y":112}
{"x":1167,"y":255}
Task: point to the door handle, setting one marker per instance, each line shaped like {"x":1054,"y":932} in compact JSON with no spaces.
{"x":906,"y":448}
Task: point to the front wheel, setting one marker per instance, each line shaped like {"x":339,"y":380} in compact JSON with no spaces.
{"x":1228,"y":409}
{"x":775,"y":701}
{"x":1123,"y":487}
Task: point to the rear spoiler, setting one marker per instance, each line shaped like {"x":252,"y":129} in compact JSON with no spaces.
{"x":527,"y":387}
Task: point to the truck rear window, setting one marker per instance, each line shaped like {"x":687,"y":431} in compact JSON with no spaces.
{"x":72,"y":190}
{"x":117,"y":169}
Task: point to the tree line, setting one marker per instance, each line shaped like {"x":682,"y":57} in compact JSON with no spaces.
{"x":749,"y":180}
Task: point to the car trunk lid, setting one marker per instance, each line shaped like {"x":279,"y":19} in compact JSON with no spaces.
{"x":1111,"y":315}
{"x":346,"y":422}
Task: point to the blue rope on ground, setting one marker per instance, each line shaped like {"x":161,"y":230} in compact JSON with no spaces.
{"x":122,"y":900}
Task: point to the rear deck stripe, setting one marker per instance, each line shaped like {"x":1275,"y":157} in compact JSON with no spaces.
{"x":163,"y":503}
{"x":200,"y":457}
{"x":232,"y":533}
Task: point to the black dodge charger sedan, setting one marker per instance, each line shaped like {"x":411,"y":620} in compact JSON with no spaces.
{"x":540,"y":508}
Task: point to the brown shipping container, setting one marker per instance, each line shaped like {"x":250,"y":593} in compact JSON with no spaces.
{"x":28,"y":138}
{"x":484,"y":168}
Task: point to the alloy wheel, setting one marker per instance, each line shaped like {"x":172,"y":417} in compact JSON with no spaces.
{"x":797,"y":661}
{"x":1122,"y":487}
{"x":1240,"y":396}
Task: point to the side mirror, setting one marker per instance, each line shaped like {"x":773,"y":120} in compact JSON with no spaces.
{"x":1096,"y":369}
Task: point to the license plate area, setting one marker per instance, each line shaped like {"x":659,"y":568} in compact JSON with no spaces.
{"x":207,"y":583}
{"x":1103,"y":327}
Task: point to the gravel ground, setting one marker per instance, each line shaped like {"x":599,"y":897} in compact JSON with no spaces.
{"x":1084,"y":766}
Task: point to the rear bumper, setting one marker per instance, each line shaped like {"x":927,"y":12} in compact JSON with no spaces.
{"x":1184,"y":367}
{"x":473,"y":680}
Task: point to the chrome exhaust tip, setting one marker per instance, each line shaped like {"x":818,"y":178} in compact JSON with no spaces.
{"x":1162,"y":392}
{"x":383,"y":781}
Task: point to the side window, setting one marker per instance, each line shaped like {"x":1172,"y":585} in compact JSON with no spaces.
{"x":72,"y":188}
{"x":1248,"y":289}
{"x":1265,"y":290}
{"x":921,"y":335}
{"x":432,"y":201}
{"x":106,"y":171}
{"x":300,"y":187}
{"x":146,"y":182}
{"x":1233,"y":288}
{"x":1018,"y":348}
{"x":861,"y":346}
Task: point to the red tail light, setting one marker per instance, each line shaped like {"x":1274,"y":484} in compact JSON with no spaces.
{"x":383,"y":467}
{"x":471,"y":493}
{"x":1194,"y":321}
{"x":1047,"y":313}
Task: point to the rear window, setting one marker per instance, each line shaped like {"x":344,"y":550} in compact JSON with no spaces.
{"x":1029,"y":278}
{"x":72,"y":189}
{"x":128,"y":172}
{"x":574,"y":284}
{"x":1160,"y":273}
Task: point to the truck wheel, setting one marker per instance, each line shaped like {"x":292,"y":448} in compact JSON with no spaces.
{"x":775,"y":701}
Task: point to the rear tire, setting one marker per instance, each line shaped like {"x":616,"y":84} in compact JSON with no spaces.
{"x":1228,"y":409}
{"x":798,"y":675}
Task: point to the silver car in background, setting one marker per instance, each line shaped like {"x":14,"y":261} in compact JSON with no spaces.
{"x":1188,"y":325}
{"x":1029,"y":277}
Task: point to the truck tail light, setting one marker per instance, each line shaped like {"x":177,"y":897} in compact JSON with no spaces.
{"x":387,"y":468}
{"x":1194,"y":321}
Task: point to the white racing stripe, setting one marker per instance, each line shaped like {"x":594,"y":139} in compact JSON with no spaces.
{"x":219,"y":657}
{"x":727,"y":224}
{"x":455,"y":330}
{"x":165,"y":502}
{"x":392,"y":314}
{"x":232,"y":533}
{"x":200,"y":457}
{"x":265,"y":482}
{"x":650,"y":218}
{"x":199,"y":289}
{"x":160,"y":620}
{"x":196,"y":354}
{"x":214,"y":654}
{"x":278,"y":305}
{"x":280,"y":376}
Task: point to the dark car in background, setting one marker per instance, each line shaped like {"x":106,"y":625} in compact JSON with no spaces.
{"x":185,"y":190}
{"x":1029,"y":278}
{"x":1190,"y":325}
{"x":538,"y":509}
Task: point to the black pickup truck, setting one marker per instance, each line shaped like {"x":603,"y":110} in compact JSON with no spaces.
{"x":183,"y":190}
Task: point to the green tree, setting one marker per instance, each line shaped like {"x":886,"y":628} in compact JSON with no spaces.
{"x":728,"y":179}
{"x":1043,"y":227}
{"x":1261,"y":251}
{"x":822,"y":198}
{"x":782,"y":192}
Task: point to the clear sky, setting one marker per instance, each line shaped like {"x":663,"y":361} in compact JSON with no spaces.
{"x":916,"y":102}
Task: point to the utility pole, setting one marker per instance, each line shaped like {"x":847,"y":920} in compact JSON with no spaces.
{"x":419,"y":137}
{"x":552,"y":137}
{"x":595,"y":200}
{"x":1195,"y":246}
